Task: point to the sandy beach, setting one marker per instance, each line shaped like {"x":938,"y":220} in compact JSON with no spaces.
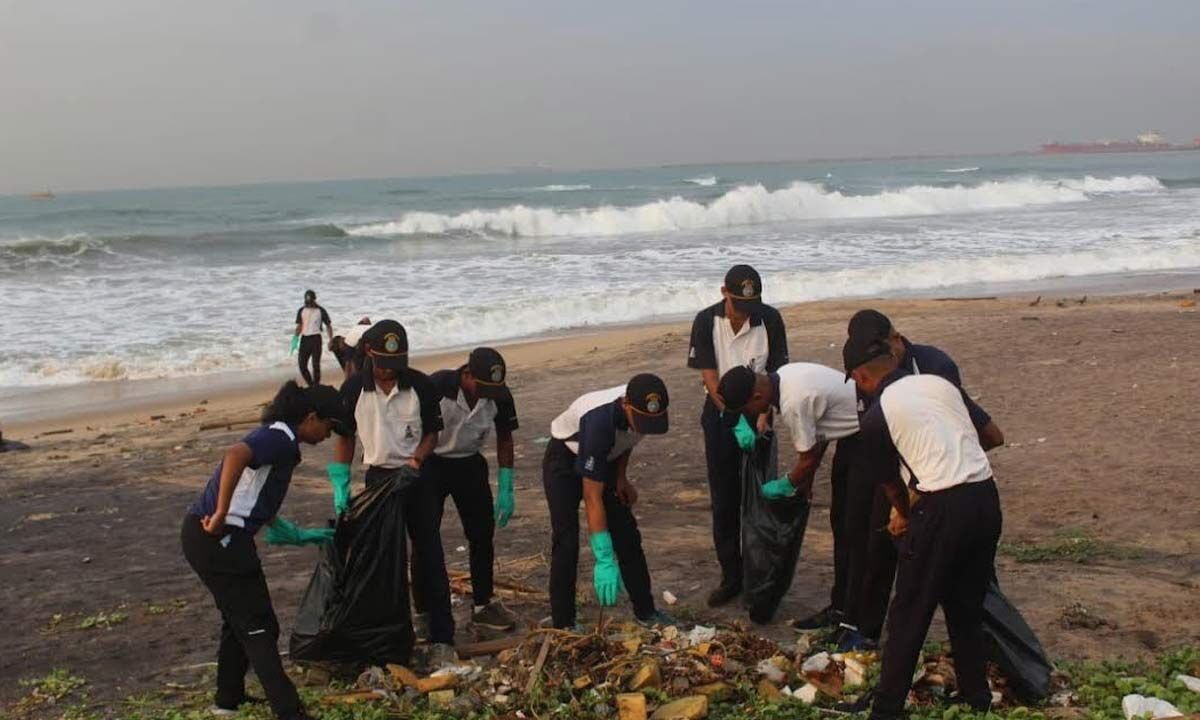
{"x":1102,"y":509}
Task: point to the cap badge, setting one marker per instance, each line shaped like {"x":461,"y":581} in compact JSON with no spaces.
{"x":748,"y":288}
{"x":653,"y":403}
{"x":391,"y":343}
{"x":497,"y":373}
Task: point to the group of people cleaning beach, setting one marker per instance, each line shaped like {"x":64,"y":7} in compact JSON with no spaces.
{"x":910,"y":456}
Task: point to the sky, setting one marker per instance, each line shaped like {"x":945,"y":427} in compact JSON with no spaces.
{"x":96,"y":94}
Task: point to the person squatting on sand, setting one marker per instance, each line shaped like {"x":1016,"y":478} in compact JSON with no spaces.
{"x":244,"y":493}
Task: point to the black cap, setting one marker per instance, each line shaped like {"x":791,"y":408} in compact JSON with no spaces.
{"x":488,"y":368}
{"x":861,"y":349}
{"x":648,"y":395}
{"x":388,"y":345}
{"x":736,"y":387}
{"x":310,"y":295}
{"x":869,"y":323}
{"x":327,"y":403}
{"x":744,"y":286}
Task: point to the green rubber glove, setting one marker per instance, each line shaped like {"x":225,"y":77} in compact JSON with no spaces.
{"x":284,"y":532}
{"x":339,"y":478}
{"x":779,"y":488}
{"x":606,"y":579}
{"x":745,"y":434}
{"x":506,"y":501}
{"x":295,"y":344}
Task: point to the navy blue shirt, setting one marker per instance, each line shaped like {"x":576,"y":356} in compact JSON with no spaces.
{"x":927,"y":359}
{"x":263,"y":484}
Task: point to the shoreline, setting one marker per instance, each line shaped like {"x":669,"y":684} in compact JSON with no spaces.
{"x":50,"y":408}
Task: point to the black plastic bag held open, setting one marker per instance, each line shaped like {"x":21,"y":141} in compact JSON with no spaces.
{"x":772,"y":532}
{"x":356,"y":607}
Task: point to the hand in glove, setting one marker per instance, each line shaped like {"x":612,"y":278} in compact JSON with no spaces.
{"x":606,"y":578}
{"x":506,"y":501}
{"x":295,"y":344}
{"x":778,"y":488}
{"x":339,"y":478}
{"x":284,"y":532}
{"x":744,"y":434}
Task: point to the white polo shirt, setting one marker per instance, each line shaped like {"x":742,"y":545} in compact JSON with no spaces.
{"x":760,"y":344}
{"x":567,"y":425}
{"x":816,"y":403}
{"x":466,"y":428}
{"x":390,"y":425}
{"x":928,"y":423}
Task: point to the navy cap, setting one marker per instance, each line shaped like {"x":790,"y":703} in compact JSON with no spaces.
{"x":490,"y":373}
{"x":744,"y":286}
{"x":869,"y":323}
{"x":862,"y":349}
{"x":648,"y":395}
{"x":736,"y":387}
{"x":387,"y":344}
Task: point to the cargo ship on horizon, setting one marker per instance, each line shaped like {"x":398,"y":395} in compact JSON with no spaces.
{"x":1146,"y":142}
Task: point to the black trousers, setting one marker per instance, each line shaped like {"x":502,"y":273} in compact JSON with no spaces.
{"x":872,"y":555}
{"x":429,"y":560}
{"x":947,"y":558}
{"x":845,"y":457}
{"x":310,"y":347}
{"x":229,"y":567}
{"x":466,"y":481}
{"x":564,"y":492}
{"x":724,"y":460}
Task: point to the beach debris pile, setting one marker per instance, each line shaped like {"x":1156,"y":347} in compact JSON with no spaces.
{"x":630,"y":672}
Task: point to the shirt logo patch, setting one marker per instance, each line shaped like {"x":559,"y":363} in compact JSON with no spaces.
{"x":590,"y":464}
{"x":692,"y":352}
{"x":408,"y":432}
{"x":862,"y":406}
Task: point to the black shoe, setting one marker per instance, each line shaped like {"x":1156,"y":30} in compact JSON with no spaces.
{"x":724,"y":593}
{"x":827,"y":617}
{"x":862,"y":704}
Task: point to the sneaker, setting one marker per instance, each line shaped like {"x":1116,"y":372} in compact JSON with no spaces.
{"x":851,"y":640}
{"x":657,"y":618}
{"x":439,"y":655}
{"x":862,"y":704}
{"x":724,"y":593}
{"x":494,"y":616}
{"x":420,"y":624}
{"x":828,"y":617}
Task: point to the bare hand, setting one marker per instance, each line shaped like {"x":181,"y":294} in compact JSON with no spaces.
{"x":764,"y":422}
{"x":414,"y":463}
{"x":213,"y":524}
{"x":627,"y":493}
{"x":897,"y":525}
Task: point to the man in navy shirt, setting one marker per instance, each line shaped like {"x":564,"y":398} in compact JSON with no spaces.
{"x":872,"y":552}
{"x":739,"y":331}
{"x":587,"y":459}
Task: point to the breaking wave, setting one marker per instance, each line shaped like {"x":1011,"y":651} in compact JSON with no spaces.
{"x":755,"y":204}
{"x":705,"y":181}
{"x":560,"y":188}
{"x":961,"y":170}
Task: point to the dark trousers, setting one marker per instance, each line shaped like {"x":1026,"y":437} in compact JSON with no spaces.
{"x":564,"y":491}
{"x":872,"y":555}
{"x":845,"y":457}
{"x":429,"y":561}
{"x":466,"y":481}
{"x":310,"y":347}
{"x":229,"y":567}
{"x":724,"y":460}
{"x":947,"y":558}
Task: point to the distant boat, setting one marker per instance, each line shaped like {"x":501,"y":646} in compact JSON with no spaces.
{"x":47,"y":195}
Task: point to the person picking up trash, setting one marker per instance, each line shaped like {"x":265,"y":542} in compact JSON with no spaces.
{"x":587,"y":459}
{"x":739,"y":331}
{"x":948,"y":537}
{"x":394,"y":411}
{"x":474,"y":399}
{"x":817,"y":406}
{"x":244,"y":493}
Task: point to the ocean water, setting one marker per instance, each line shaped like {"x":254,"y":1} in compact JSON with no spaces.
{"x":161,"y":283}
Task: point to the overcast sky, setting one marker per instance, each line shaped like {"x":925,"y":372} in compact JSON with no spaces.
{"x":100,"y":94}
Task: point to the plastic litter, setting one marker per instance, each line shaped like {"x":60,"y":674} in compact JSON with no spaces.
{"x":1135,"y":706}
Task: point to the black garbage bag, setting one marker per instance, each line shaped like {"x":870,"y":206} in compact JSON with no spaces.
{"x":356,"y":607}
{"x":772,"y":532}
{"x":1015,"y":648}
